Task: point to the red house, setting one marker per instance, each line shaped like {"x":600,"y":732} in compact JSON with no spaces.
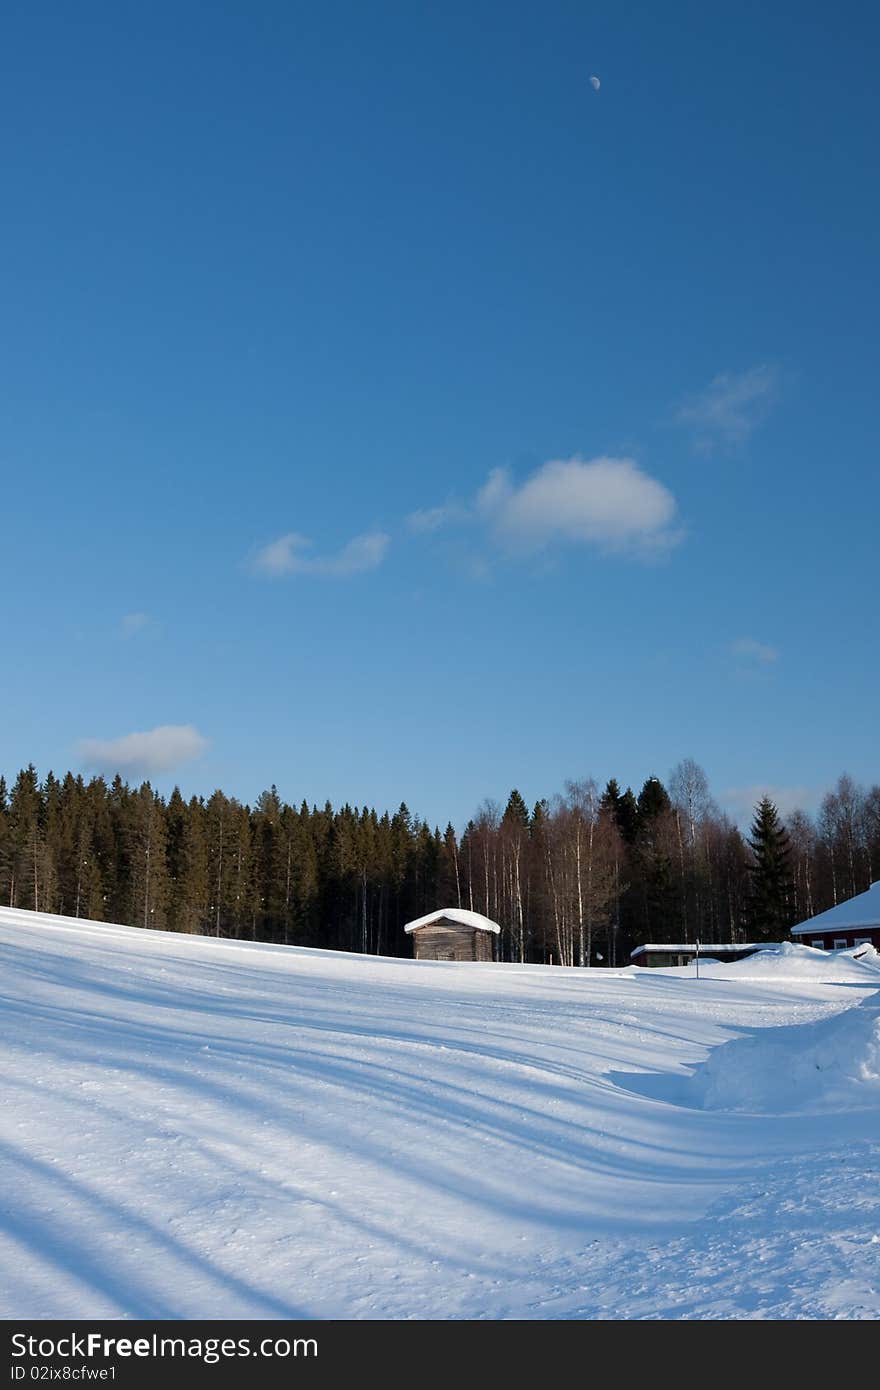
{"x":852,"y":923}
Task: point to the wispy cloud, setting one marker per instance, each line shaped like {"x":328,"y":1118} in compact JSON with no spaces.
{"x":750,"y":650}
{"x":290,"y":554}
{"x":434,"y":518}
{"x":133,"y":623}
{"x":156,"y":750}
{"x":731,"y":406}
{"x":740,"y":802}
{"x":607,"y":502}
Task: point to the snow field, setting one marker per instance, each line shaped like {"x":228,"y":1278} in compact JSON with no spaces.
{"x":200,"y":1128}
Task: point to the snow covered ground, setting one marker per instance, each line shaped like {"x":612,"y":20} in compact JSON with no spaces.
{"x":200,"y":1128}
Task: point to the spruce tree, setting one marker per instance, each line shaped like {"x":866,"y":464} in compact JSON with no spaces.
{"x":771,"y":890}
{"x":270,"y":865}
{"x":452,"y":877}
{"x":5,"y":848}
{"x":85,"y":889}
{"x":658,"y":914}
{"x":193,"y":896}
{"x":175,"y":835}
{"x":624,"y":808}
{"x":148,"y":885}
{"x":244,"y":894}
{"x":516,"y":812}
{"x":25,"y":840}
{"x":515,"y":876}
{"x":653,"y":800}
{"x":100,"y":866}
{"x":220,"y":837}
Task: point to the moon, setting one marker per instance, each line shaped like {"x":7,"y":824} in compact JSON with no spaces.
{"x":595,"y":83}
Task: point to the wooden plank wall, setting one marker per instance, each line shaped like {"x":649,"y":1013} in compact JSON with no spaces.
{"x":451,"y":941}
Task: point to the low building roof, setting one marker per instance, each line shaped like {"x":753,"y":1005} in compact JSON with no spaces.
{"x":460,"y":915}
{"x":860,"y":911}
{"x":707,"y":948}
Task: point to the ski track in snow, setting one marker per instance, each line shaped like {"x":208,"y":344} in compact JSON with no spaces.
{"x":200,"y":1128}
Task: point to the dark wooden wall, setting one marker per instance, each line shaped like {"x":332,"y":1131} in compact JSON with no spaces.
{"x":451,"y":941}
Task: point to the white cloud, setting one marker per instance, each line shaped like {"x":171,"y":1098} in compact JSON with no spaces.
{"x":731,"y":406}
{"x":433,"y":518}
{"x":134,"y":623}
{"x":289,"y":555}
{"x":741,"y":801}
{"x":157,"y":750}
{"x":608,"y":502}
{"x":750,"y":650}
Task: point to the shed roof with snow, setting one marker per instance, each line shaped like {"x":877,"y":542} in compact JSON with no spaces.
{"x":459,"y":915}
{"x":856,"y":913}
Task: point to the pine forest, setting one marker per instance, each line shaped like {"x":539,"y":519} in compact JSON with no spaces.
{"x":579,"y":879}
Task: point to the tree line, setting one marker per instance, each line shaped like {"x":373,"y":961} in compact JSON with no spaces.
{"x":579,"y":879}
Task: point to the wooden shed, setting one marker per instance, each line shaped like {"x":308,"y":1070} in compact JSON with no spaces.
{"x":452,"y":933}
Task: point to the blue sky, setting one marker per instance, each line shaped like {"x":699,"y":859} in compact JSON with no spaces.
{"x":388,"y":413}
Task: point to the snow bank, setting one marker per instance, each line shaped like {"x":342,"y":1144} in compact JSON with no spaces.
{"x":831,"y":1065}
{"x":858,"y":964}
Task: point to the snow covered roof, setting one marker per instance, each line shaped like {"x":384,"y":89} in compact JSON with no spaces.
{"x":860,"y":911}
{"x":707,"y":948}
{"x":455,"y":914}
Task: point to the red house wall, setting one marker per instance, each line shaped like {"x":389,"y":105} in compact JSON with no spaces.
{"x":848,"y":934}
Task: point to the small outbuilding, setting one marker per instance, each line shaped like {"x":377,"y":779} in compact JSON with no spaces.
{"x":452,"y":933}
{"x":853,"y":923}
{"x":667,"y":953}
